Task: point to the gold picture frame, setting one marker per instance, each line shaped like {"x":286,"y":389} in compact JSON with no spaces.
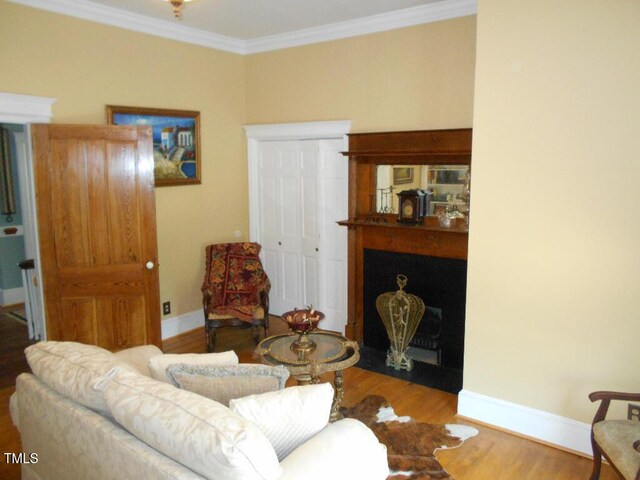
{"x":402,"y":175}
{"x":176,"y":141}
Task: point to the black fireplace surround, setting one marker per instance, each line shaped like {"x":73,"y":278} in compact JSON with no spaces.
{"x":441,"y":283}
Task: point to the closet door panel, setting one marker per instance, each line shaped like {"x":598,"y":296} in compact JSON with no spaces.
{"x":302,"y":194}
{"x":310,"y":233}
{"x":332,"y":199}
{"x":279,"y":184}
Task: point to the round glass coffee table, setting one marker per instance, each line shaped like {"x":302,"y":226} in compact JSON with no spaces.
{"x":333,"y":353}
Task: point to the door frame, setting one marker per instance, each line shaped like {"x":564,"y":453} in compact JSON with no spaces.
{"x":329,"y":130}
{"x":258,"y":135}
{"x":24,"y":110}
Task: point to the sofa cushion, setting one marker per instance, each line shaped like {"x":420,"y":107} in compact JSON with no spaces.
{"x":288,"y":417}
{"x":138,"y":357}
{"x":200,"y":433}
{"x":72,"y":369}
{"x":224,"y":383}
{"x":158,"y":364}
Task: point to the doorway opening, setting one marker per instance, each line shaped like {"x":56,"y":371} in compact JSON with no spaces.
{"x":15,"y":333}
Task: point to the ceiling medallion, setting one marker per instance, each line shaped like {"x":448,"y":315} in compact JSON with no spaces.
{"x":177,"y":5}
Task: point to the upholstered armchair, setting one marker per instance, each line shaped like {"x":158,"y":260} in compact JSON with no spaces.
{"x":235,"y":290}
{"x":617,"y":440}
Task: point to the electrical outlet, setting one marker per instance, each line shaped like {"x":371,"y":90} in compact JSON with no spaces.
{"x":166,"y":308}
{"x":633,"y":413}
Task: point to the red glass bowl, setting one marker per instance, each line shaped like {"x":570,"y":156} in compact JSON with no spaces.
{"x":302,"y":321}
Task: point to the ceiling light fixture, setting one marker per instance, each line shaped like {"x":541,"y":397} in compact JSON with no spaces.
{"x":177,"y":5}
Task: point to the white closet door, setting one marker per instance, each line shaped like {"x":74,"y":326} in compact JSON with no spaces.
{"x":279,"y":193}
{"x":309,"y":228}
{"x":333,"y":172}
{"x":302,"y":192}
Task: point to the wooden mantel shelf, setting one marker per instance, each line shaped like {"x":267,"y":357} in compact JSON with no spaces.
{"x":430,"y":224}
{"x":429,"y":240}
{"x":366,"y":151}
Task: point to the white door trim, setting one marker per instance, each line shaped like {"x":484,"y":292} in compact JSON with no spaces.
{"x":15,"y":108}
{"x":26,"y":109}
{"x":284,"y":131}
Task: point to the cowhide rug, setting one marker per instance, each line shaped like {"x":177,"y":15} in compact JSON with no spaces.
{"x":410,"y":445}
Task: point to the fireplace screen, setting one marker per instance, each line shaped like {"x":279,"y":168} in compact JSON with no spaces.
{"x":440,"y":283}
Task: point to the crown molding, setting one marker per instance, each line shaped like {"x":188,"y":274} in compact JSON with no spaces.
{"x":407,"y":17}
{"x":433,"y":12}
{"x":139,"y":23}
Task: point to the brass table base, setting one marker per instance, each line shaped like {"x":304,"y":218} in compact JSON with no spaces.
{"x":332,"y":353}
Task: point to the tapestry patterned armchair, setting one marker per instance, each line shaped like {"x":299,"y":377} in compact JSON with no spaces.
{"x":235,"y":290}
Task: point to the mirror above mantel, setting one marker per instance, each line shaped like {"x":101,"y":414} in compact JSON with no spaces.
{"x":448,"y":184}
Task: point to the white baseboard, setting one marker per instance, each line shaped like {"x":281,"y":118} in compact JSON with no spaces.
{"x":182,"y":323}
{"x":11,"y":296}
{"x":537,"y":424}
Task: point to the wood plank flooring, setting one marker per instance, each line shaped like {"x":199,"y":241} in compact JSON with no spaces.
{"x":492,"y":455}
{"x":14,"y":338}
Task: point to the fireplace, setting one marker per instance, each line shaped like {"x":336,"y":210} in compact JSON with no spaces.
{"x":441,"y":284}
{"x":434,"y":258}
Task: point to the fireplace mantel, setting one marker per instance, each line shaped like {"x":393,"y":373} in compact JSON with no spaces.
{"x":366,"y":151}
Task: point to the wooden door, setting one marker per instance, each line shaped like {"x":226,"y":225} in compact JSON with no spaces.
{"x":97,"y":234}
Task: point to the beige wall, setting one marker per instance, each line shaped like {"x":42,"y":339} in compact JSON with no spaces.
{"x":86,"y":66}
{"x":414,"y":78}
{"x":408,"y":79}
{"x":554,"y":272}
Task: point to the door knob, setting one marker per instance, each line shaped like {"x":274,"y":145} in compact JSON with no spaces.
{"x":149,"y":265}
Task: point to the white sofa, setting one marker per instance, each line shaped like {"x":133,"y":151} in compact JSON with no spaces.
{"x":90,"y":414}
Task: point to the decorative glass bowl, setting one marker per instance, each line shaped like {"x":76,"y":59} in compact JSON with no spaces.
{"x":303,"y":322}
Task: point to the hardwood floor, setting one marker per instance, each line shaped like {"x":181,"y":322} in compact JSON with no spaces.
{"x":492,"y":455}
{"x":14,"y":338}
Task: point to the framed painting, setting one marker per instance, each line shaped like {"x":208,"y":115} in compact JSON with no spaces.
{"x":176,"y":141}
{"x":402,"y":175}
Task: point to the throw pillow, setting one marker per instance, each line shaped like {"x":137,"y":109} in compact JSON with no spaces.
{"x":158,"y":364}
{"x":224,"y":383}
{"x":138,"y":357}
{"x":197,"y":432}
{"x":72,"y":369}
{"x":288,"y":417}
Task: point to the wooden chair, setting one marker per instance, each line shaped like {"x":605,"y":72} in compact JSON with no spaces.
{"x":235,"y":290}
{"x":617,"y":440}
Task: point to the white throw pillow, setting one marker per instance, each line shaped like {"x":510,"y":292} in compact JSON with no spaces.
{"x":200,"y":433}
{"x":288,"y":417}
{"x":352,"y":450}
{"x":72,"y":369}
{"x":158,"y":364}
{"x":138,"y":357}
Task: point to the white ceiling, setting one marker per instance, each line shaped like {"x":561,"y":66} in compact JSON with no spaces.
{"x":247,"y":26}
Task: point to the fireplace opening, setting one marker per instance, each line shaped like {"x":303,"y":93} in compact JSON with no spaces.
{"x":425,"y":345}
{"x":437,"y":347}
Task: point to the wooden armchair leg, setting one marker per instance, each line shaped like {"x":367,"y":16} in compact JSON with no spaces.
{"x":255,"y":330}
{"x":597,"y":463}
{"x":210,"y":333}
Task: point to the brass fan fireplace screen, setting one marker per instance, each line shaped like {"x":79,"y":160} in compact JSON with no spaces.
{"x":401,"y":313}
